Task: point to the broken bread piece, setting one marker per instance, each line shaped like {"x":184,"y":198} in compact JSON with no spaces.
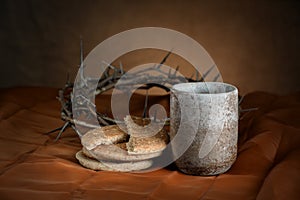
{"x":103,"y":136}
{"x":139,"y":129}
{"x":146,"y":145}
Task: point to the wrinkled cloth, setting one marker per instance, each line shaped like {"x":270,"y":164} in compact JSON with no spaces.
{"x":33,"y":166}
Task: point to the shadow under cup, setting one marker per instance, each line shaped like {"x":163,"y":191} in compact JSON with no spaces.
{"x":205,"y":116}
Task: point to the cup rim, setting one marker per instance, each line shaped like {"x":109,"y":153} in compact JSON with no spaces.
{"x":232,"y":90}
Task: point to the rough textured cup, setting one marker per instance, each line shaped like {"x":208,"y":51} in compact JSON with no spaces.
{"x":207,"y":114}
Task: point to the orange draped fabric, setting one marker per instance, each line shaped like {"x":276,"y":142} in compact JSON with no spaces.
{"x":33,"y":166}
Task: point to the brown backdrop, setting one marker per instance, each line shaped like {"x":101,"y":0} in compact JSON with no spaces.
{"x":255,"y":44}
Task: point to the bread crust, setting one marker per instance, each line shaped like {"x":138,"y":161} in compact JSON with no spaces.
{"x":105,"y":135}
{"x":110,"y":148}
{"x":144,"y":145}
{"x":140,"y":142}
{"x":111,"y":166}
{"x":116,"y":153}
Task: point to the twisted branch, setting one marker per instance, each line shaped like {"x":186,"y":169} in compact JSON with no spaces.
{"x":108,"y":81}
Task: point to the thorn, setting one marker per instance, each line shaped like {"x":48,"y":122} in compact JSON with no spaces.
{"x":74,"y":128}
{"x":216,"y":78}
{"x":177,"y":68}
{"x":244,"y":115}
{"x":68,"y":78}
{"x":121,"y":68}
{"x":53,"y":131}
{"x":81,"y":66}
{"x":145,"y":105}
{"x":81,"y":50}
{"x":101,"y":120}
{"x":169,"y":74}
{"x":105,"y":74}
{"x":110,"y":65}
{"x":241,"y":99}
{"x":164,"y":59}
{"x":206,"y":73}
{"x":82,"y":78}
{"x":104,"y":71}
{"x":61,"y":131}
{"x":114,"y":76}
{"x":248,"y":109}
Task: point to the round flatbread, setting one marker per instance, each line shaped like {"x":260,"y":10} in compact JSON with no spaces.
{"x":111,"y":166}
{"x":117,"y":152}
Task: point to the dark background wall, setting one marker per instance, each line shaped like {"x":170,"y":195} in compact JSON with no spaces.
{"x":255,"y":44}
